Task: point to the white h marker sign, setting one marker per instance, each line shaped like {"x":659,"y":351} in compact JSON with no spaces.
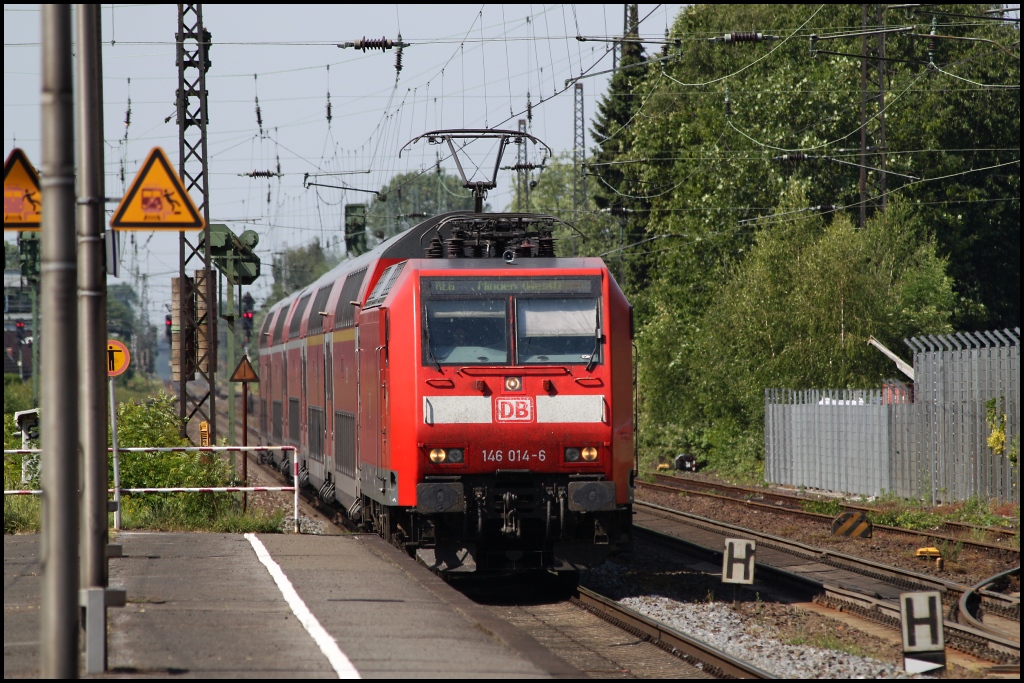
{"x":738,"y":561}
{"x":924,"y":643}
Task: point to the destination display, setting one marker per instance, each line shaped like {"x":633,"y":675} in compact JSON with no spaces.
{"x":490,"y":286}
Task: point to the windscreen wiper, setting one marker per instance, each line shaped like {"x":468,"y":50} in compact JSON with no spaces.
{"x":597,"y":345}
{"x":426,"y":335}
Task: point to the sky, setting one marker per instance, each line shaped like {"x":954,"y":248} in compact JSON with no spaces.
{"x":466,"y":67}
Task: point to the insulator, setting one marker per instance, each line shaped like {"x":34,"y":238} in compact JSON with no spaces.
{"x":260,"y":174}
{"x":455,"y":243}
{"x":728,"y":105}
{"x":365,"y":44}
{"x":259,"y":116}
{"x":436,"y":248}
{"x":476,"y":250}
{"x":933,"y":42}
{"x":398,"y":56}
{"x":529,"y":109}
{"x":328,"y":107}
{"x":524,"y":249}
{"x":793,"y":156}
{"x":546,"y":246}
{"x":128,"y":116}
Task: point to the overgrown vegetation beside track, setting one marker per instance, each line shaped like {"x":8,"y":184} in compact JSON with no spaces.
{"x":889,"y":510}
{"x":152,"y":423}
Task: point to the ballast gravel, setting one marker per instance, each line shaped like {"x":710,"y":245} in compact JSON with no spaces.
{"x":718,"y":625}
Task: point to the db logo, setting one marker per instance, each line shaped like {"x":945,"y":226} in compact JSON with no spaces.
{"x":513,"y":409}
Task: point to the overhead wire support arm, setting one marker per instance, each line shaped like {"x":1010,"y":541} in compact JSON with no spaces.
{"x":617,"y":39}
{"x":802,"y":156}
{"x":306,"y":185}
{"x":667,"y":58}
{"x":924,"y":9}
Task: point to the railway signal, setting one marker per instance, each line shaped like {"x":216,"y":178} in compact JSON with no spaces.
{"x":234,"y":255}
{"x":247,"y":316}
{"x":168,"y":324}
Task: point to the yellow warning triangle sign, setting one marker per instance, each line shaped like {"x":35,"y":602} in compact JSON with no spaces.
{"x":22,"y":199}
{"x":157,"y":200}
{"x":244,"y":372}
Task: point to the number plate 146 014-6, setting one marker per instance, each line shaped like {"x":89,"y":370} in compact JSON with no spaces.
{"x":514,"y":455}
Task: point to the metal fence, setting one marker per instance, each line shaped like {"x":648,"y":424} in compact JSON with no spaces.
{"x":927,"y":439}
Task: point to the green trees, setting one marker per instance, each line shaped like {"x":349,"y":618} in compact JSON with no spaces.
{"x":756,"y":274}
{"x":296,"y":267}
{"x":409,"y":198}
{"x":616,"y":190}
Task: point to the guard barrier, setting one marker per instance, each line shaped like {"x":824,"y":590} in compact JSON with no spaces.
{"x":117,"y":490}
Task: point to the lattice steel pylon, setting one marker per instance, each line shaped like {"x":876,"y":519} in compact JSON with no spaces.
{"x":872,"y":113}
{"x":579,"y":177}
{"x":198,"y":304}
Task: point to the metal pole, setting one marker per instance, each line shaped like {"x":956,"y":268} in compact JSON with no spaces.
{"x":34,"y":293}
{"x":92,"y":333}
{"x":245,"y":442}
{"x":59,"y":408}
{"x":91,"y":297}
{"x":117,"y":460}
{"x":232,"y":416}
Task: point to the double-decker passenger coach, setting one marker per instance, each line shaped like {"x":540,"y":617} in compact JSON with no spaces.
{"x":463,"y":392}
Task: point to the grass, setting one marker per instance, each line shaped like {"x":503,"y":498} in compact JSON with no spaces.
{"x":827,"y":641}
{"x":21,"y":513}
{"x":914,"y":514}
{"x":830,"y":507}
{"x":175,"y":518}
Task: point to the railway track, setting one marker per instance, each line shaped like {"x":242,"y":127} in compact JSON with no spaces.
{"x":702,"y":657}
{"x":843,"y":582}
{"x":790,"y":504}
{"x":695,"y":652}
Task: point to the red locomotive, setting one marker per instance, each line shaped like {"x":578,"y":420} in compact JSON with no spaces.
{"x":463,"y":392}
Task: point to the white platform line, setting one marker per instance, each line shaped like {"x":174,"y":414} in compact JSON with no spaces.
{"x":323,"y":639}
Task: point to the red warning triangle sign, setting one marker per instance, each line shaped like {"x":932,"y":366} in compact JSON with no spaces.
{"x":157,"y":200}
{"x":244,"y":372}
{"x":22,"y":199}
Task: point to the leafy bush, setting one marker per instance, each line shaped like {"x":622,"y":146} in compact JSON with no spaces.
{"x":831,"y":507}
{"x":154,"y":423}
{"x":17,"y":394}
{"x":21,"y":513}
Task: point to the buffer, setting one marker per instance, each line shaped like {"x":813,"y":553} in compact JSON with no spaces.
{"x":157,"y":200}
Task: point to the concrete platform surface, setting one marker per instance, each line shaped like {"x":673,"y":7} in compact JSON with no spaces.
{"x":205,"y":606}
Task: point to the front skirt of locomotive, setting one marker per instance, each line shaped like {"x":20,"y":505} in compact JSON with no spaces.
{"x":516,"y":520}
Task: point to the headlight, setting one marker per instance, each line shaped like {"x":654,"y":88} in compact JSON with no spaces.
{"x":572,"y":454}
{"x":455,"y":455}
{"x":590,"y":454}
{"x":437,"y":455}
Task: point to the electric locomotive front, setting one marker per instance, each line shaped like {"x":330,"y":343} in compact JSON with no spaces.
{"x":509,"y":400}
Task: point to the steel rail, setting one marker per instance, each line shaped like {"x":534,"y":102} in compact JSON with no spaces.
{"x":782,"y":498}
{"x":971,"y":598}
{"x":994,"y":647}
{"x":691,"y":650}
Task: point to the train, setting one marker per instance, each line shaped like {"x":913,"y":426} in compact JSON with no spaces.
{"x":464,"y":393}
